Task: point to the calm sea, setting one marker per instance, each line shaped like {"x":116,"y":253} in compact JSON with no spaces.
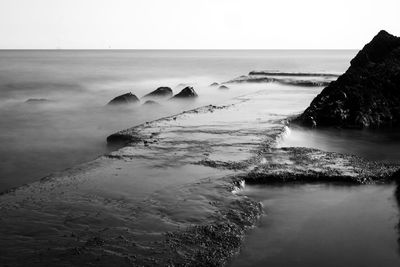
{"x":303,"y":225}
{"x":70,"y":128}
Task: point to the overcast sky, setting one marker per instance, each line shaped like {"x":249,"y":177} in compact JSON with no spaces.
{"x":147,"y":24}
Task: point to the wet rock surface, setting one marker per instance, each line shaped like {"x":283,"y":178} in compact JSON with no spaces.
{"x":297,"y":164}
{"x":366,"y":95}
{"x":160,"y":92}
{"x":186,"y":93}
{"x":287,"y":78}
{"x":124,"y":99}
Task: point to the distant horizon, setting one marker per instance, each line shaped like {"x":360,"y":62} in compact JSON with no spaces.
{"x":180,"y":49}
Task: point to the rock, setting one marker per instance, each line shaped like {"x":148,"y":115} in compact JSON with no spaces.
{"x":223,"y":87}
{"x":151,"y":103}
{"x":214,"y":84}
{"x":299,"y":164}
{"x":287,"y":78}
{"x":366,"y":95}
{"x":37,"y":100}
{"x":127,"y":98}
{"x":187,"y":92}
{"x":160,"y":92}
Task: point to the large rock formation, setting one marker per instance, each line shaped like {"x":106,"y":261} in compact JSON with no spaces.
{"x":127,"y":98}
{"x":187,"y":92}
{"x":160,"y":92}
{"x":366,"y":95}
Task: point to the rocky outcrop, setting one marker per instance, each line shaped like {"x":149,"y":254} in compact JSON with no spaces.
{"x":287,"y":78}
{"x":127,"y":98}
{"x":214,"y":84}
{"x":160,"y":92}
{"x":366,"y":95}
{"x":223,"y":87}
{"x":186,"y":93}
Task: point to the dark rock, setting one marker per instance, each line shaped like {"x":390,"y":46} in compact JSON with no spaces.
{"x":366,"y":95}
{"x":223,"y":87}
{"x":160,"y":92}
{"x":151,"y":103}
{"x":214,"y":84}
{"x":127,"y":98}
{"x":187,"y":92}
{"x":124,"y":138}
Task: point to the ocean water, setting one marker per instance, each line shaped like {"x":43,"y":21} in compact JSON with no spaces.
{"x":158,"y":188}
{"x":324,"y":225}
{"x":37,"y":139}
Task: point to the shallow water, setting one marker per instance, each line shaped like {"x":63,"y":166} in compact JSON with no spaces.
{"x":323,"y":225}
{"x":378,"y":145}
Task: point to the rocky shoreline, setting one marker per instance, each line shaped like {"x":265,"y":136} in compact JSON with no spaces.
{"x":168,"y":197}
{"x":198,"y":221}
{"x":215,"y":243}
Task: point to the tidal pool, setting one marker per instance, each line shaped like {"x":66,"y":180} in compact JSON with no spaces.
{"x":323,"y":225}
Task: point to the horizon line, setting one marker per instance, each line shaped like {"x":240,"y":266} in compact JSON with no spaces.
{"x":171,"y":49}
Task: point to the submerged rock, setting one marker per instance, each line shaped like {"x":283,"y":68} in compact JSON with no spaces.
{"x":37,"y":100}
{"x":160,"y":92}
{"x":223,"y":87}
{"x":187,"y":92}
{"x":151,"y":103}
{"x":366,"y":95}
{"x":127,"y":98}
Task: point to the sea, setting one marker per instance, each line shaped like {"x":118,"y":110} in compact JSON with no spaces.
{"x":69,"y":120}
{"x":37,"y":139}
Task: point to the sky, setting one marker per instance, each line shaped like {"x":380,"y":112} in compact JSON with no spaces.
{"x":194,"y":24}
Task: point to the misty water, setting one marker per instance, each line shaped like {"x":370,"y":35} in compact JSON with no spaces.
{"x":40,"y":138}
{"x":303,"y":225}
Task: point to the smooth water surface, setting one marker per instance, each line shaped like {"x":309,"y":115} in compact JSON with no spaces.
{"x":323,"y":225}
{"x":378,"y":145}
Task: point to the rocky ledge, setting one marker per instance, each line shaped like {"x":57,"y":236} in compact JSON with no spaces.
{"x":366,"y":95}
{"x":299,"y":164}
{"x":287,"y":78}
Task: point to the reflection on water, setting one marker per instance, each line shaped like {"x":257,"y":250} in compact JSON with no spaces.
{"x":380,"y":145}
{"x":323,"y":225}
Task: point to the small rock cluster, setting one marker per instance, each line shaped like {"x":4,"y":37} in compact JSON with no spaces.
{"x":160,"y":93}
